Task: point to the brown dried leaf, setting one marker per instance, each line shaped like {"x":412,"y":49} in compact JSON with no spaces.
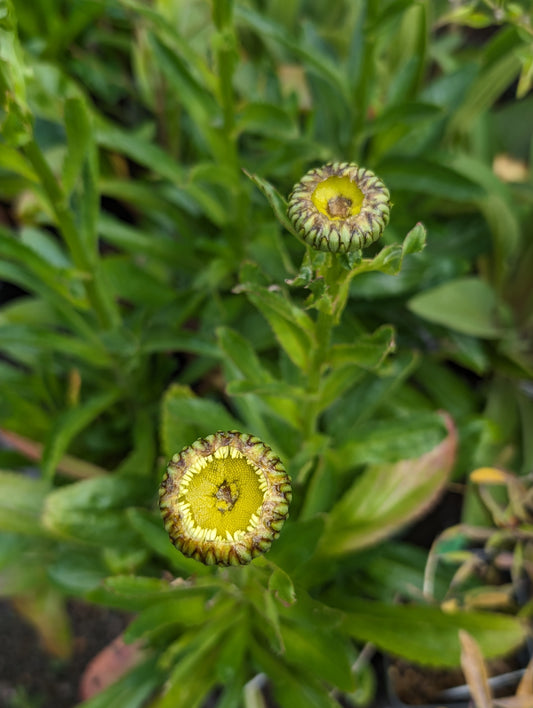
{"x":475,"y":670}
{"x":525,"y":687}
{"x":108,"y":666}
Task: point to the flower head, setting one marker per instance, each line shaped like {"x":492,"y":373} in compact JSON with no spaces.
{"x":340,"y":207}
{"x":225,"y":498}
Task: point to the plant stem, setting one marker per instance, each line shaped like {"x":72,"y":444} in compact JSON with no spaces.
{"x":225,"y":52}
{"x":337,"y":280}
{"x":102,"y":304}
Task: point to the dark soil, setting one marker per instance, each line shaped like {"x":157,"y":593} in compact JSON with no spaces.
{"x":29,"y":677}
{"x":421,"y":685}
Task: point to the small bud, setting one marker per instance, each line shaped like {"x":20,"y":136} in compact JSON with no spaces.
{"x":339,"y":207}
{"x":225,"y":498}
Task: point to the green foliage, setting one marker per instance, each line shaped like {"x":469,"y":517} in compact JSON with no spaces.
{"x":146,"y":154}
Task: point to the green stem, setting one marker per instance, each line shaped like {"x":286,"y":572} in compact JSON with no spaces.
{"x":337,"y":280}
{"x":83,"y":260}
{"x":225,"y":53}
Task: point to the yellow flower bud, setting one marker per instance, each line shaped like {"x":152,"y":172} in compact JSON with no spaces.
{"x":340,"y":207}
{"x":224,"y":498}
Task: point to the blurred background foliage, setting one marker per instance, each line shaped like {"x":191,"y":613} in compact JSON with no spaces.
{"x":150,"y":295}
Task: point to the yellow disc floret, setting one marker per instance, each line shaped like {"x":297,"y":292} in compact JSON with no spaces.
{"x":339,"y":207}
{"x":224,"y":498}
{"x":223,"y":494}
{"x":337,"y":197}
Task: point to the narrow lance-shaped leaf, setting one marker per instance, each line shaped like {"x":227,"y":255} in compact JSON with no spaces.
{"x":69,"y":425}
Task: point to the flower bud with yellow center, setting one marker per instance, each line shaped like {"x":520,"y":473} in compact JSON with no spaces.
{"x":340,"y":207}
{"x":225,"y":498}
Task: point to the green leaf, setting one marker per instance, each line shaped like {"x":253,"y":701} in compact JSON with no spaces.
{"x":187,"y":610}
{"x":291,"y":689}
{"x":150,"y":528}
{"x":136,"y":593}
{"x":229,"y":664}
{"x":316,"y":61}
{"x":486,"y":89}
{"x":427,"y":635}
{"x":386,"y":497}
{"x":76,"y":573}
{"x":296,"y":544}
{"x":240,"y":351}
{"x":273,"y":389}
{"x":276,"y":201}
{"x":389,"y":441}
{"x":69,"y":424}
{"x":186,"y":417}
{"x":293,"y":328}
{"x":59,"y":279}
{"x":19,"y":340}
{"x":21,"y":503}
{"x":467,"y":305}
{"x":79,"y":139}
{"x":94,"y":511}
{"x":320,"y":652}
{"x":403,"y":114}
{"x":266,"y":119}
{"x":248,"y":376}
{"x":14,"y":161}
{"x":415,"y":174}
{"x":136,"y":284}
{"x":390,"y":259}
{"x":368,"y":351}
{"x":142,"y":241}
{"x":280,"y":584}
{"x":141,"y":151}
{"x":194,"y":657}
